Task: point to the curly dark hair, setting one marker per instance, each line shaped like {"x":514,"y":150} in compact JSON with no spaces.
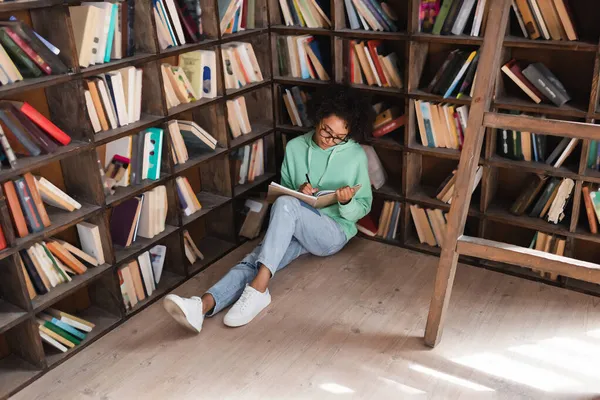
{"x":347,"y":103}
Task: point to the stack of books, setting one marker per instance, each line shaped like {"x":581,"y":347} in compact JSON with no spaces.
{"x":370,"y":15}
{"x":194,"y":78}
{"x":388,"y":222}
{"x":192,"y":252}
{"x":305,"y":13}
{"x":139,"y":278}
{"x":103,"y":31}
{"x":50,"y":263}
{"x":430,"y":225}
{"x":187,"y":198}
{"x":249,"y":162}
{"x":177,"y":22}
{"x":441,"y":125}
{"x":144,"y":216}
{"x":236,"y":15}
{"x":186,"y":137}
{"x":452,"y":17}
{"x":237,"y":117}
{"x":545,"y":19}
{"x":552,"y":196}
{"x":24,"y":53}
{"x":300,"y":57}
{"x":26,"y":132}
{"x":131,"y":159}
{"x":61,"y":330}
{"x":591,"y":199}
{"x":240,"y":65}
{"x":114,"y":99}
{"x":456,"y":75}
{"x":296,"y":103}
{"x":538,"y":82}
{"x":370,"y":62}
{"x":389,"y":119}
{"x":445,"y":191}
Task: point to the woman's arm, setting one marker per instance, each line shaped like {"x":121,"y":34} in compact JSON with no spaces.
{"x":360,"y":205}
{"x":286,"y":174}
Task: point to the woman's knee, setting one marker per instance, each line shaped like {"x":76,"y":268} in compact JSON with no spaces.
{"x":285,"y":204}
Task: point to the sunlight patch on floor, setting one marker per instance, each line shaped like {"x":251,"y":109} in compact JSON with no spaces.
{"x":405,"y":389}
{"x":336,"y":388}
{"x":450,"y":378}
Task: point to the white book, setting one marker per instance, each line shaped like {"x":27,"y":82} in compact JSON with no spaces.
{"x":566,"y":153}
{"x":209,"y":60}
{"x":37,"y":259}
{"x":53,"y":342}
{"x":295,"y":114}
{"x":157,"y":257}
{"x":103,"y":19}
{"x":478,"y":19}
{"x":164,"y":39}
{"x":78,"y":253}
{"x":146,"y":160}
{"x":128,"y":78}
{"x":116,"y":51}
{"x":244,"y":167}
{"x":539,"y":18}
{"x":163,"y":207}
{"x":108,"y":106}
{"x":191,"y":208}
{"x":285,"y":10}
{"x":146,"y":269}
{"x":175,"y":19}
{"x":11,"y":70}
{"x":89,"y":237}
{"x":246,"y":62}
{"x":302,"y":56}
{"x":145,"y":227}
{"x":170,"y":95}
{"x":372,"y":65}
{"x":89,"y":104}
{"x":137,"y":95}
{"x":50,"y":194}
{"x":463,"y":17}
{"x":129,"y":286}
{"x":119,"y":96}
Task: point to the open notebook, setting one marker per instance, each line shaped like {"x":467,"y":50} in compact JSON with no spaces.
{"x":320,"y":199}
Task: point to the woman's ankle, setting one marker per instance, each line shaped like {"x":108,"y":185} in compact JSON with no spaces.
{"x":261,"y":280}
{"x":208,"y":303}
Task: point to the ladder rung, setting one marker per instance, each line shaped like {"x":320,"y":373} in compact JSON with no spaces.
{"x":554,"y":127}
{"x":525,"y":257}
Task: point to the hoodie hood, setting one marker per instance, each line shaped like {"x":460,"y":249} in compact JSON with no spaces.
{"x":312,"y":146}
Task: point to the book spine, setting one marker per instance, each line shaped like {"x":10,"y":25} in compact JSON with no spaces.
{"x":452,"y":16}
{"x":20,"y":135}
{"x":441,"y":18}
{"x":589,"y":209}
{"x":32,"y":217}
{"x":19,"y":57}
{"x":35,"y":57}
{"x":58,"y":134}
{"x":544,"y":85}
{"x":382,"y":14}
{"x":40,"y":288}
{"x":389,"y":127}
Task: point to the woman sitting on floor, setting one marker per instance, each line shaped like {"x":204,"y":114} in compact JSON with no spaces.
{"x":331,"y":160}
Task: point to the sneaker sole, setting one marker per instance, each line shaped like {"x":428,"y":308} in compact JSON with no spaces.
{"x":238,"y":323}
{"x":173,"y":307}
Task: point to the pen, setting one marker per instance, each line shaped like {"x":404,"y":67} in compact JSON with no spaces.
{"x":308,"y":180}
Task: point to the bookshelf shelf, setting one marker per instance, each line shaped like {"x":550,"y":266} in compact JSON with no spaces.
{"x":389,"y":192}
{"x":209,"y":202}
{"x":288,"y":80}
{"x":500,"y":213}
{"x":27,"y":5}
{"x":248,"y":88}
{"x":135,"y":60}
{"x":387,"y":91}
{"x":449,"y":39}
{"x":177,"y":50}
{"x":168,"y":281}
{"x":368,"y":35}
{"x":34,"y":83}
{"x":422,"y":95}
{"x":10,"y":315}
{"x":532,"y":166}
{"x":213,"y":248}
{"x":241,"y":189}
{"x":513,"y":103}
{"x":198,"y":159}
{"x":146,"y":121}
{"x":514,"y":41}
{"x":124,"y":193}
{"x":123,"y":254}
{"x":440,"y":152}
{"x":259,"y":129}
{"x":300,"y":30}
{"x":174,"y":111}
{"x":243,"y":35}
{"x":16,"y":373}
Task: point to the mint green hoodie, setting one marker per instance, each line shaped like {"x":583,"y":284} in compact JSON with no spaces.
{"x":341,"y":165}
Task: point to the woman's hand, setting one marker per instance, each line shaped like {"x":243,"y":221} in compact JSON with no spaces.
{"x":345,"y":194}
{"x":307,"y":188}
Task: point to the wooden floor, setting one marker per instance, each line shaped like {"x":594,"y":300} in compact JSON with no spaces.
{"x":350,"y":327}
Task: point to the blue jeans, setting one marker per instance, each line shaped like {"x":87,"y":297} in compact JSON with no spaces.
{"x":295,"y":228}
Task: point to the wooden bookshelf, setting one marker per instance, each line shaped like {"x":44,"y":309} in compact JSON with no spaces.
{"x":95,"y":295}
{"x":414,"y":171}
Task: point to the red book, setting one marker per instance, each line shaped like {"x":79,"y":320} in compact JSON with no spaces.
{"x":367,"y":226}
{"x":351,"y":57}
{"x":35,"y":57}
{"x":373,"y":45}
{"x":459,"y":129}
{"x":308,"y":62}
{"x":389,"y":127}
{"x":244,"y":15}
{"x":54,"y":131}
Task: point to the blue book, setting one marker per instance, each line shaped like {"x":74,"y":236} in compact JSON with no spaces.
{"x":427,"y":123}
{"x":111,"y":33}
{"x":352,"y":17}
{"x":160,"y":8}
{"x":392,"y":229}
{"x":535,"y":152}
{"x":69,"y":328}
{"x":236,"y":20}
{"x":154,"y":153}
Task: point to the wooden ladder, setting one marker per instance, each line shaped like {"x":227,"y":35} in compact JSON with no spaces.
{"x":480,"y":118}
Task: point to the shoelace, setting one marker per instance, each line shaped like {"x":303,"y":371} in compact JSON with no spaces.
{"x":246,"y":295}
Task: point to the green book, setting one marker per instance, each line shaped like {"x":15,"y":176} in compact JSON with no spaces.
{"x":250,"y":16}
{"x":51,"y":257}
{"x":62,"y":333}
{"x":592,"y":154}
{"x":26,"y":67}
{"x":441,"y":18}
{"x":595,"y":196}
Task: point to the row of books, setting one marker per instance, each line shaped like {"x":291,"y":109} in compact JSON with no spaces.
{"x":430,"y":225}
{"x":544,"y":197}
{"x":304,"y":13}
{"x":177,"y":22}
{"x":192,"y":252}
{"x":300,"y":57}
{"x":236,"y":15}
{"x":144,"y":216}
{"x":296,"y":103}
{"x":445,"y":191}
{"x":237,"y":117}
{"x":24,"y":53}
{"x":538,"y":82}
{"x":114,"y":99}
{"x":188,"y":201}
{"x":528,"y":146}
{"x":240,"y":65}
{"x":26,"y":132}
{"x":61,"y":330}
{"x":452,"y":17}
{"x":250,"y":162}
{"x":456,"y":75}
{"x":193,"y":79}
{"x":139,"y":278}
{"x":25,"y":198}
{"x":371,"y":15}
{"x":548,"y":243}
{"x":103,"y":31}
{"x":388,"y":221}
{"x":591,"y":199}
{"x":388,"y":119}
{"x":441,"y":125}
{"x":188,"y":136}
{"x":546,"y":19}
{"x":370,"y":60}
{"x":133,"y":158}
{"x":53,"y":262}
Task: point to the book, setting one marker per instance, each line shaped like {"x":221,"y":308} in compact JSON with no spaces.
{"x":547,"y":83}
{"x":320,"y":199}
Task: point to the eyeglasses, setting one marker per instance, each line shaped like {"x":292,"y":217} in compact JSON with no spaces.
{"x":326,"y":133}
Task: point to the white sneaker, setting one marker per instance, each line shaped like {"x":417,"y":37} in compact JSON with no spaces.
{"x":250,"y":303}
{"x":188,"y":312}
